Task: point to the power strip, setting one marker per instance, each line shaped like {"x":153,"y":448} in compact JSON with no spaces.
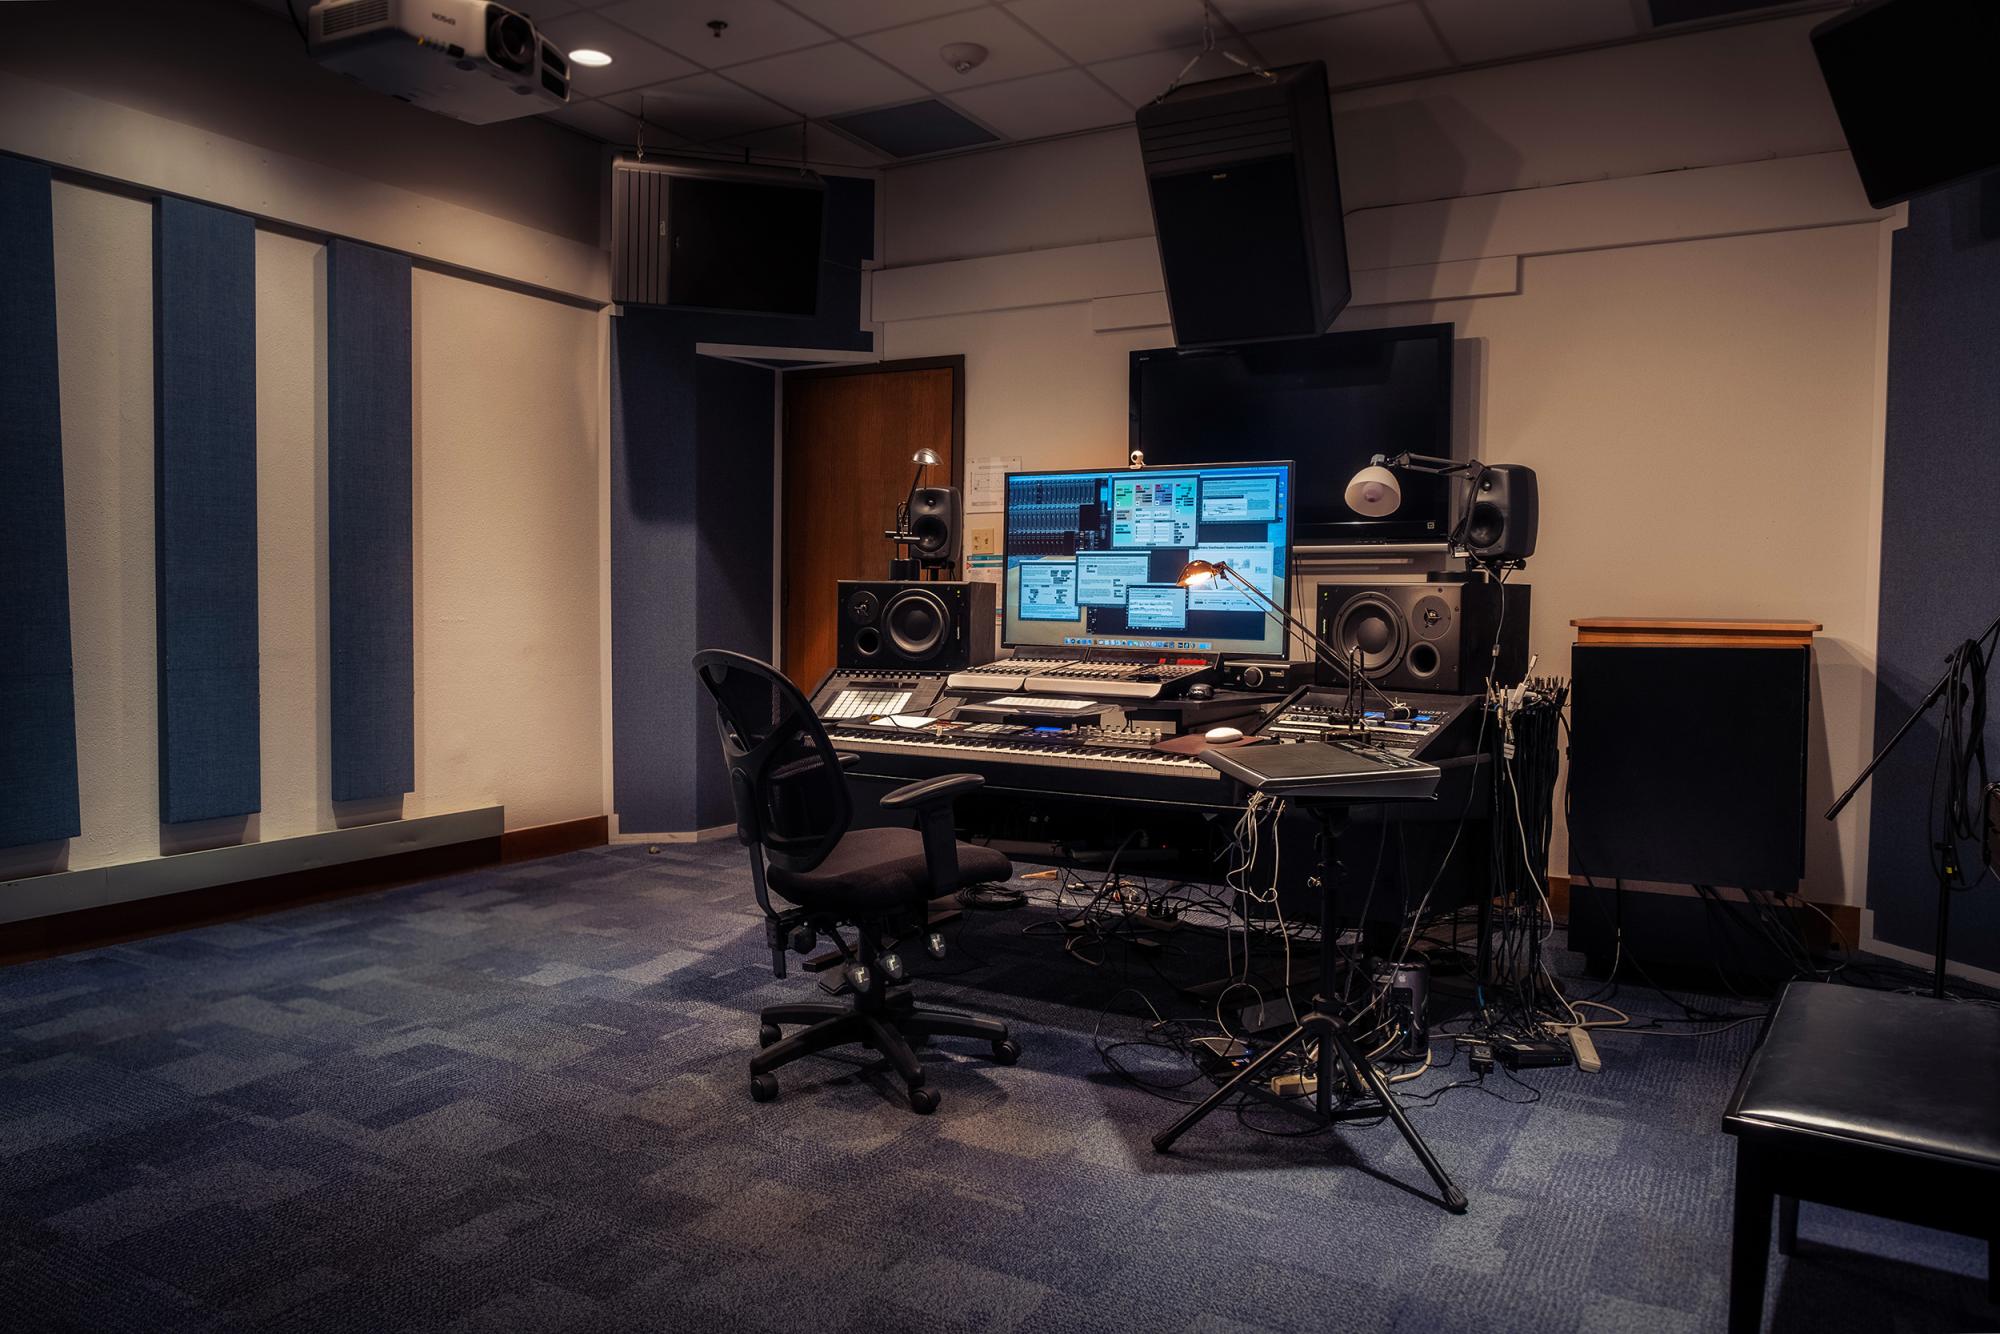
{"x":1586,"y":1051}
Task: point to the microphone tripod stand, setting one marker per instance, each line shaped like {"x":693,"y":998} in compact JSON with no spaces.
{"x":1323,"y":1028}
{"x":1947,"y":852}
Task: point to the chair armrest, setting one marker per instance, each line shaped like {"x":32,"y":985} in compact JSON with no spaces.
{"x":942,"y":790}
{"x":931,"y":800}
{"x":848,"y":758}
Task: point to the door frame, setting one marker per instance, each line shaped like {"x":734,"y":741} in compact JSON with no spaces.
{"x":955,"y":363}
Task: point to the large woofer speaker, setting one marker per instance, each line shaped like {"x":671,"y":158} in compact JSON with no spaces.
{"x":1435,"y":637}
{"x":940,"y":625}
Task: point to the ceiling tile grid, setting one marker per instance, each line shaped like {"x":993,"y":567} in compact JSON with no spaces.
{"x":1052,"y":66}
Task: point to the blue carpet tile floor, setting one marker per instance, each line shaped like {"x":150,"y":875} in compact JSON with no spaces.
{"x":517,"y":1099}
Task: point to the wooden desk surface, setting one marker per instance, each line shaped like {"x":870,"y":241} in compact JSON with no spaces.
{"x":1694,"y":632}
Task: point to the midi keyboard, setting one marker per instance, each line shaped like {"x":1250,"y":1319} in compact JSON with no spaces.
{"x":1115,"y":763}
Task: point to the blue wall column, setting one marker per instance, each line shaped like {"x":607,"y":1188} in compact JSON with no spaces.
{"x":38,"y":787}
{"x":1940,"y":542}
{"x":205,"y":509}
{"x":691,"y":483}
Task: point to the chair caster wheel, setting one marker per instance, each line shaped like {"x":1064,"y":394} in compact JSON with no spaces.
{"x":763,"y":1088}
{"x":768,"y":1034}
{"x":923,"y":1101}
{"x":1006,"y":1051}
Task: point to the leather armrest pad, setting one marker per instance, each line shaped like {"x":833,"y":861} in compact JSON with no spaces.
{"x":931,"y":791}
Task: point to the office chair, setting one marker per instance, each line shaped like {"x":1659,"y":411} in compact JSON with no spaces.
{"x":793,"y":812}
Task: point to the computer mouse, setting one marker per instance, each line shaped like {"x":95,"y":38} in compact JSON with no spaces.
{"x":1222,"y":734}
{"x":1201,"y":690}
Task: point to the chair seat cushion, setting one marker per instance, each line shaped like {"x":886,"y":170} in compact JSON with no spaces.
{"x":873,"y":869}
{"x":1891,"y":1071}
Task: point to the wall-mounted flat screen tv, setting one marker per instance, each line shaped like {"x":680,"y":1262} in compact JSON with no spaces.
{"x":1329,"y":403}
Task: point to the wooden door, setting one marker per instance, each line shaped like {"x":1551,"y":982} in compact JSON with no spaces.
{"x":848,"y":438}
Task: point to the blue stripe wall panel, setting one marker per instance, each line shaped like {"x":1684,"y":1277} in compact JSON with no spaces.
{"x":1940,"y":544}
{"x":205,"y":509}
{"x":370,"y":531}
{"x":38,"y":794}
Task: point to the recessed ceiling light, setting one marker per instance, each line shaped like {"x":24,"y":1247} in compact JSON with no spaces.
{"x":586,"y":56}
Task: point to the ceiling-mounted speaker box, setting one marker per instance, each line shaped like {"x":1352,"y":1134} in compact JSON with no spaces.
{"x":1246,"y":206}
{"x":716,"y":236}
{"x":1912,"y":83}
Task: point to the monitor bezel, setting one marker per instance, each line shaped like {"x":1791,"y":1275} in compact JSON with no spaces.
{"x":1291,"y":558}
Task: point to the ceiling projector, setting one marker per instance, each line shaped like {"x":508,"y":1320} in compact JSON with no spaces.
{"x":472,"y":60}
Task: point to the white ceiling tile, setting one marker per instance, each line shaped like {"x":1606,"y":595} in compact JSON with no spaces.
{"x":635,"y":62}
{"x":599,"y":120}
{"x":1481,"y":30}
{"x":1087,"y":32}
{"x":824,"y":148}
{"x":1359,"y":48}
{"x":848,"y":17}
{"x":541,"y":11}
{"x":703,"y":107}
{"x":1255,"y":15}
{"x":1140,"y":79}
{"x":1044,"y":104}
{"x":1012,"y":51}
{"x":827,"y":80}
{"x":757,"y":28}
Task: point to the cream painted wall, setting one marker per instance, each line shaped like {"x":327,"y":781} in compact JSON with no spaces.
{"x":508,"y":675}
{"x":1692,"y":359}
{"x":104,"y":332}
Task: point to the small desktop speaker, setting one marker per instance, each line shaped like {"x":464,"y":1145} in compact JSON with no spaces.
{"x":1505,"y":514}
{"x":1434,"y":637}
{"x":1246,"y":205}
{"x":941,"y":625}
{"x":934,"y":526}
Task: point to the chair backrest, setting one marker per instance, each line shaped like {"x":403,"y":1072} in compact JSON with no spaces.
{"x":784,"y":777}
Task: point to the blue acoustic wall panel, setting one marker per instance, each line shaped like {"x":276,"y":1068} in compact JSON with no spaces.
{"x":1940,"y":542}
{"x":38,"y":796}
{"x":370,"y":533}
{"x":205,"y":508}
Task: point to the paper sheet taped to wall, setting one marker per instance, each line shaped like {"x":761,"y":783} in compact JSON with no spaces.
{"x":986,"y":483}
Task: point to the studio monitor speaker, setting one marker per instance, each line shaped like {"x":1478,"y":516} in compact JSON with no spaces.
{"x":1505,"y":513}
{"x":935,"y":626}
{"x":1246,"y":206}
{"x":934,"y":526}
{"x":1435,"y":637}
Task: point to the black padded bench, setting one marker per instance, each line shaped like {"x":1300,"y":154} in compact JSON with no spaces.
{"x":1875,"y":1101}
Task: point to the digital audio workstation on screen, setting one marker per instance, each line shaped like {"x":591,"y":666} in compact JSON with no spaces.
{"x":1094,"y":558}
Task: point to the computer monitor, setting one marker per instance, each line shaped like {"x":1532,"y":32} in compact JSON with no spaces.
{"x":1093,"y":558}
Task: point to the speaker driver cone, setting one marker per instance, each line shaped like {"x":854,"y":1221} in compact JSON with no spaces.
{"x":861,"y":608}
{"x":917,"y":623}
{"x":1370,"y":627}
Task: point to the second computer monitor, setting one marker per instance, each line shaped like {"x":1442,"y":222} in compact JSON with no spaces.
{"x":1094,"y":558}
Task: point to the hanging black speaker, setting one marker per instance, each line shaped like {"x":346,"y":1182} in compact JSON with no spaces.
{"x":934,"y":526}
{"x":1246,"y":205}
{"x":1505,"y":513}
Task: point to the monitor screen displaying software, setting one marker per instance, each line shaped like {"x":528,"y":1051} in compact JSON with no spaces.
{"x":1094,"y":558}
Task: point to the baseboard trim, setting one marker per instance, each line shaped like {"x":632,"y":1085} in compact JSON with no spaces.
{"x":1845,"y":918}
{"x":201,"y":895}
{"x":550,"y":840}
{"x":708,"y":835}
